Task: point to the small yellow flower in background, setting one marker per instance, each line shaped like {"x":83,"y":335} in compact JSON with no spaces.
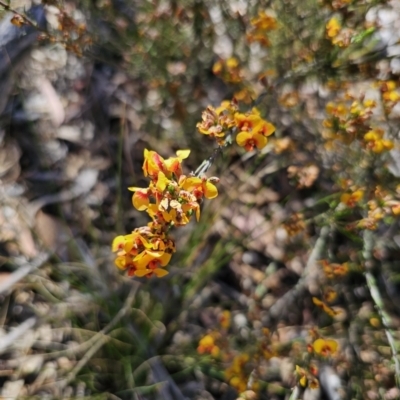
{"x":264,"y":22}
{"x":225,"y":319}
{"x":236,"y":374}
{"x":253,"y":130}
{"x":337,"y":110}
{"x":375,"y":322}
{"x":207,"y":346}
{"x":245,"y":95}
{"x":375,"y":141}
{"x":333,"y":27}
{"x":333,"y":270}
{"x":232,"y":62}
{"x":389,"y":93}
{"x":369,"y":103}
{"x":330,"y":295}
{"x":260,"y":27}
{"x":352,"y":199}
{"x":324,"y":307}
{"x":302,"y":375}
{"x":325,"y":347}
{"x":217,"y":67}
{"x":229,"y":70}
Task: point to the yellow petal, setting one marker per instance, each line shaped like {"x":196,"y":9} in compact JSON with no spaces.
{"x":162,"y":182}
{"x":261,"y":141}
{"x":165,"y":259}
{"x":242,"y":138}
{"x":140,"y":200}
{"x":182,"y":154}
{"x":159,"y":272}
{"x":210,"y":190}
{"x":118,"y":243}
{"x":190,"y":183}
{"x":120,"y":262}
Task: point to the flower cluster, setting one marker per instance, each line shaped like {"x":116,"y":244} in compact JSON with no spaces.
{"x":237,"y":373}
{"x":390,"y":94}
{"x":338,"y":36}
{"x":252,"y":129}
{"x":170,"y":200}
{"x":349,"y":122}
{"x":319,"y":347}
{"x":229,"y":70}
{"x":383,"y":204}
{"x":217,"y":122}
{"x":334,"y":270}
{"x":260,"y":27}
{"x":375,"y":141}
{"x":70,"y":33}
{"x":307,"y":378}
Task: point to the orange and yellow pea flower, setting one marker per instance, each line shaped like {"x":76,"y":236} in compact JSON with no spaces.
{"x":375,"y":141}
{"x":207,"y":345}
{"x":200,"y":187}
{"x":325,"y":347}
{"x":154,"y":163}
{"x":249,"y":140}
{"x":253,"y":130}
{"x":352,"y":199}
{"x":143,"y":252}
{"x":333,"y":27}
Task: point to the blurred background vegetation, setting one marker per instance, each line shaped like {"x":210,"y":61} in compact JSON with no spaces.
{"x":86,"y":86}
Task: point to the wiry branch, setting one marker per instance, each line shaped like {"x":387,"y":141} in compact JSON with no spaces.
{"x":289,"y":298}
{"x":377,"y":299}
{"x":23,"y":16}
